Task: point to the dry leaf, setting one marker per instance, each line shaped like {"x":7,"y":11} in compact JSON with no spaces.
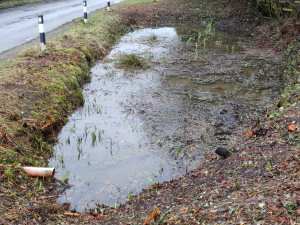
{"x":292,"y":127}
{"x":156,"y":212}
{"x":250,"y":133}
{"x":273,"y":208}
{"x":71,"y":214}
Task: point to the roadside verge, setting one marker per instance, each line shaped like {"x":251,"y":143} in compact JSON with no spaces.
{"x":37,"y":91}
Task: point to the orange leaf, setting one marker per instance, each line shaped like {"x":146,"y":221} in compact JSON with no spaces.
{"x":250,"y":133}
{"x":292,"y":127}
{"x":156,"y":212}
{"x":273,"y":208}
{"x":96,"y":217}
{"x":71,"y":214}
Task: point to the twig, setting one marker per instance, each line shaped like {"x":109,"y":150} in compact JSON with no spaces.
{"x":249,"y":146}
{"x":49,"y":196}
{"x":106,"y":188}
{"x":279,"y":5}
{"x":292,"y":4}
{"x":18,"y":148}
{"x":162,"y":217}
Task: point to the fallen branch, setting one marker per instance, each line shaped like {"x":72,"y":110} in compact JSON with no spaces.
{"x":292,"y":4}
{"x":279,"y":5}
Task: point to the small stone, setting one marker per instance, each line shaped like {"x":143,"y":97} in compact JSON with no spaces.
{"x":95,"y":214}
{"x":30,"y":207}
{"x":222,"y":152}
{"x":221,"y":221}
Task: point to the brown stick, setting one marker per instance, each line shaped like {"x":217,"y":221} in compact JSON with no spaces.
{"x":279,"y":5}
{"x":292,"y":4}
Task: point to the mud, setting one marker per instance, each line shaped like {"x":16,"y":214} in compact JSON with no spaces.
{"x":199,"y":92}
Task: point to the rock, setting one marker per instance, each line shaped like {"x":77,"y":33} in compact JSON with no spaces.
{"x":30,"y":207}
{"x":222,"y":152}
{"x":95,"y":213}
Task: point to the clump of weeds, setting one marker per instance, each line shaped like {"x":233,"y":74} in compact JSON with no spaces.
{"x":153,"y":37}
{"x":132,"y":61}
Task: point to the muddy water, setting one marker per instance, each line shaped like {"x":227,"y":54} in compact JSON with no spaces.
{"x":200,"y":90}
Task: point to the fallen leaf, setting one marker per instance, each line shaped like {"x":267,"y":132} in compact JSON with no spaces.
{"x":71,"y":214}
{"x":292,"y":127}
{"x":156,"y":212}
{"x":250,"y":133}
{"x":273,"y":208}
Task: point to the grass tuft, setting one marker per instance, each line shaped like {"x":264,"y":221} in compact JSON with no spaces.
{"x":153,"y":37}
{"x":132,"y":61}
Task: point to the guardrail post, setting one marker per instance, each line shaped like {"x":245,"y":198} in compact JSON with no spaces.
{"x":42,"y":31}
{"x":84,"y":11}
{"x":108,"y":5}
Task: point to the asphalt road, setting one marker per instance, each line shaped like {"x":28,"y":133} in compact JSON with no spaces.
{"x":20,"y":24}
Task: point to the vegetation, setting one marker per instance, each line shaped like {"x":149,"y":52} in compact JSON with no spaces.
{"x":279,"y":9}
{"x":8,"y":4}
{"x":132,"y":61}
{"x":41,"y":89}
{"x":125,"y":2}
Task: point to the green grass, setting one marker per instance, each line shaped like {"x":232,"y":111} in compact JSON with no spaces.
{"x":153,"y":37}
{"x":132,"y":61}
{"x":8,"y":4}
{"x":135,"y":2}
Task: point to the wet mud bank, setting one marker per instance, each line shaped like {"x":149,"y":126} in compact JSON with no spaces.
{"x":202,"y":88}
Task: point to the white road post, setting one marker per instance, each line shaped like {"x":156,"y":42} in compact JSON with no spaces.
{"x":84,"y":11}
{"x":108,"y":5}
{"x":42,"y":32}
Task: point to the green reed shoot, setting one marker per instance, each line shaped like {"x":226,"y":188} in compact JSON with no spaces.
{"x":177,"y":150}
{"x":68,"y":140}
{"x":99,"y":134}
{"x":93,"y":136}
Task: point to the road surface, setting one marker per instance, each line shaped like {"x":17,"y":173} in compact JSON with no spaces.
{"x":20,"y":24}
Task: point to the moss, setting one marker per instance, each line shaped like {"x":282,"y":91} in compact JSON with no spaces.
{"x":9,"y":174}
{"x":8,"y":157}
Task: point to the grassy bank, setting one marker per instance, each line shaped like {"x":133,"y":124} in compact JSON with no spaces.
{"x":38,"y":91}
{"x":4,"y":4}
